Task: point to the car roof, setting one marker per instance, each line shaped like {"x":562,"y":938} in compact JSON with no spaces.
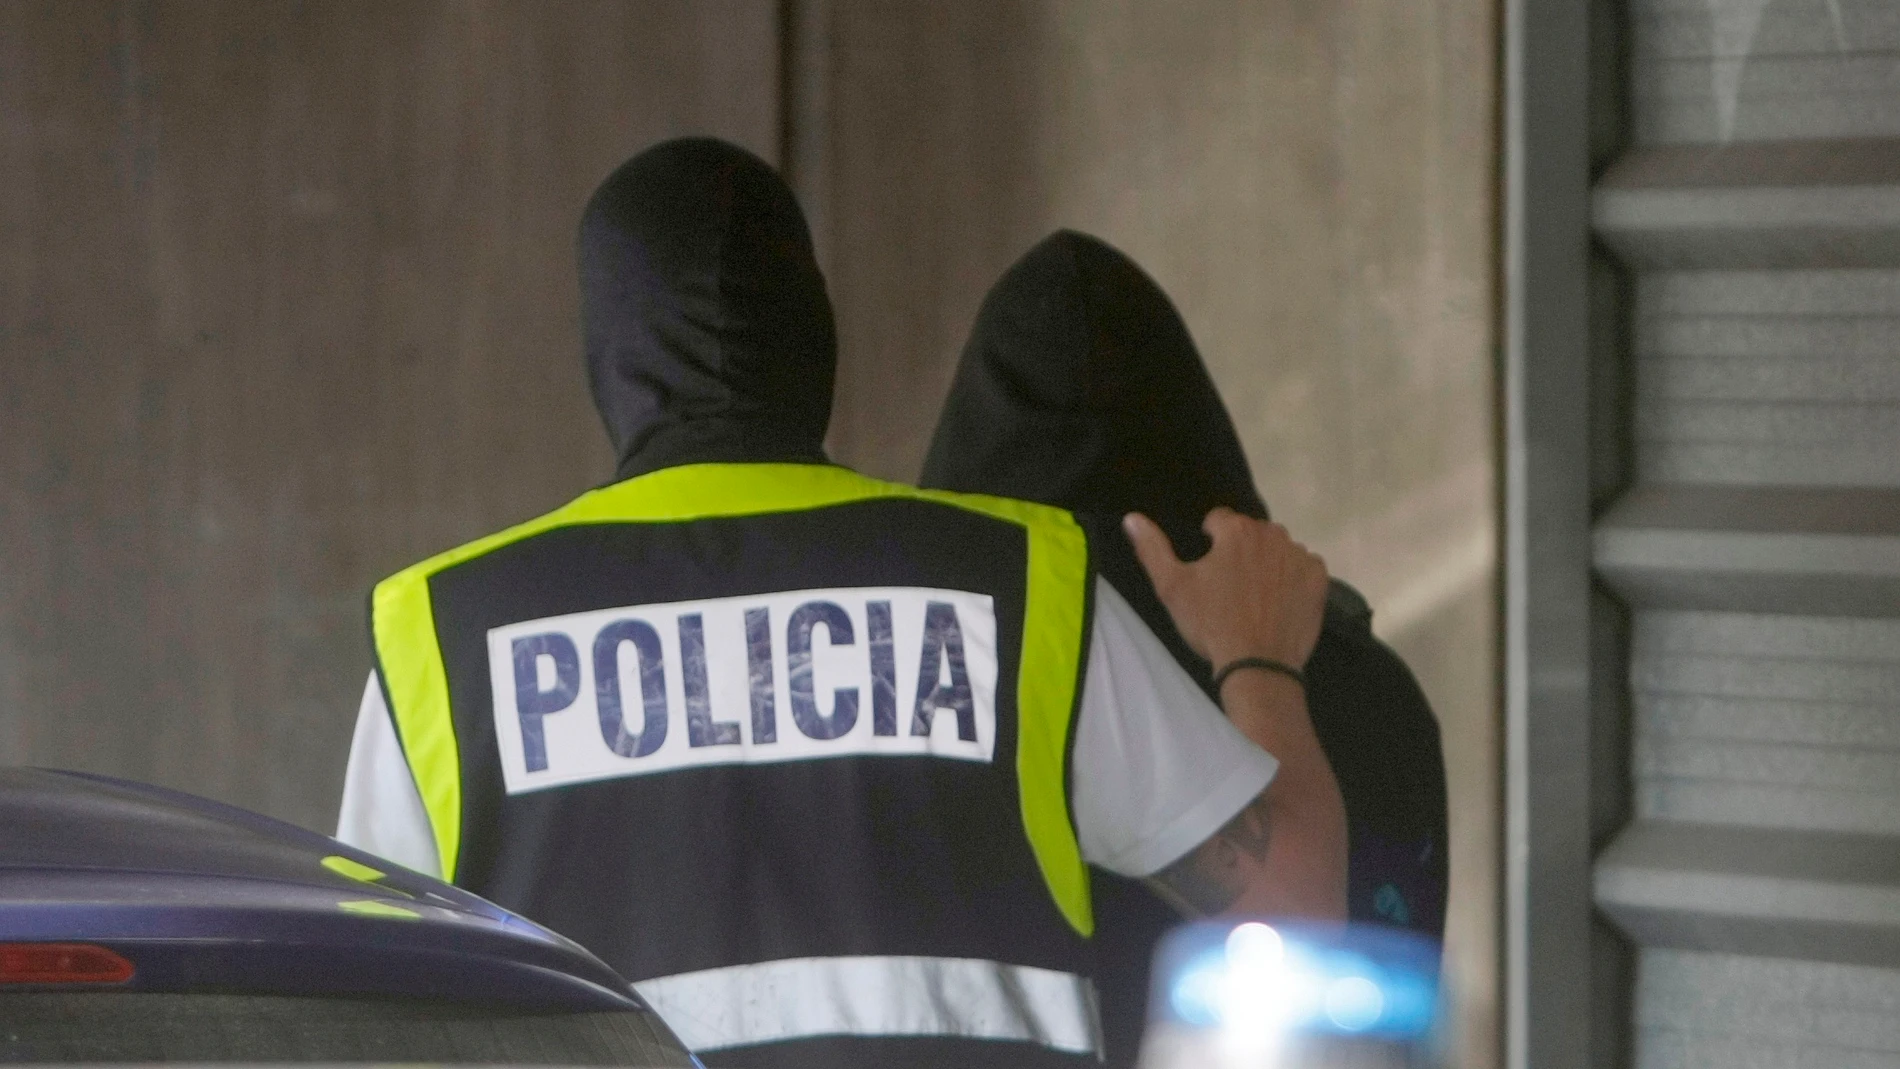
{"x":202,"y":896}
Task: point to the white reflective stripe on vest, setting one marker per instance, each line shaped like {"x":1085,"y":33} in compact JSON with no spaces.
{"x":898,"y":996}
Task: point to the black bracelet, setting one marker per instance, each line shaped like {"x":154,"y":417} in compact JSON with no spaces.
{"x":1262,"y":663}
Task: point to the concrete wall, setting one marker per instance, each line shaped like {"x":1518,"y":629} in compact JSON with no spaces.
{"x":1313,"y":185}
{"x":287,"y":301}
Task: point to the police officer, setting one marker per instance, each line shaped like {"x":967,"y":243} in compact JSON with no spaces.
{"x":819,"y":761}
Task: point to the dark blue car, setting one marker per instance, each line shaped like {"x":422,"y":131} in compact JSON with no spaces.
{"x":140,"y":924}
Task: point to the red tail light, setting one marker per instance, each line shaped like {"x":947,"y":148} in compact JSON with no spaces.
{"x":61,"y":963}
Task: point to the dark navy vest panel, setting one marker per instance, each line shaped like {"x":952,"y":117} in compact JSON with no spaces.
{"x":729,"y":864}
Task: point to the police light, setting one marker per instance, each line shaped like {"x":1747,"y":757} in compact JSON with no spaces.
{"x":1254,"y":995}
{"x":61,"y":963}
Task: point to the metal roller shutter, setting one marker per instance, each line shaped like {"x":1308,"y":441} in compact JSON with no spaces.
{"x":1756,"y":205}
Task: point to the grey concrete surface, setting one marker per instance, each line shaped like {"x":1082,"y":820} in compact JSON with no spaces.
{"x":286,"y":302}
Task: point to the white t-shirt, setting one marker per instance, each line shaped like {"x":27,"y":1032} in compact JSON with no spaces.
{"x":1156,"y":770}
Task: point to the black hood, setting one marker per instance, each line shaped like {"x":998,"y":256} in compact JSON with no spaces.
{"x":709,"y":336}
{"x":1080,"y":387}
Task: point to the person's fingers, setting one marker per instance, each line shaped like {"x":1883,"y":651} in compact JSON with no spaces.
{"x":1218,"y":519}
{"x":1152,"y":548}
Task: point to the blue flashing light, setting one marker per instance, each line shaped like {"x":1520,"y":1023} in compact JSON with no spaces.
{"x":1195,"y":994}
{"x":1354,"y":1003}
{"x":1292,"y":979}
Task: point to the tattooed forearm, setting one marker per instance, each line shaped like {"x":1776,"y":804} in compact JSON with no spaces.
{"x":1214,"y":874}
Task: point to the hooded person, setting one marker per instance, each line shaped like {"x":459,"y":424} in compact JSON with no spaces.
{"x":1080,"y":387}
{"x":818,"y":762}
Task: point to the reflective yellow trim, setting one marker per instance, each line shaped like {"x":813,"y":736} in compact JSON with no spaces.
{"x":1048,"y":673}
{"x":352,"y":869}
{"x":409,"y":660}
{"x":373,"y":908}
